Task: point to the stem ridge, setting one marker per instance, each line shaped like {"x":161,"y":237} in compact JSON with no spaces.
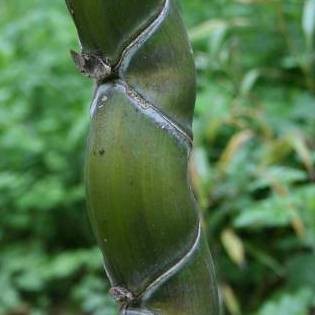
{"x":135,"y":43}
{"x":161,"y":279}
{"x":173,"y":270}
{"x":157,"y":115}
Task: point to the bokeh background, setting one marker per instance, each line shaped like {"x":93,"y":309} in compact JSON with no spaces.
{"x":252,"y":169}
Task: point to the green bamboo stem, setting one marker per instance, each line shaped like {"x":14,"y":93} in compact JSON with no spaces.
{"x":140,"y":201}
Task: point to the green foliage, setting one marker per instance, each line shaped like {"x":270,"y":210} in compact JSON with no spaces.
{"x":254,"y":163}
{"x":297,"y":303}
{"x":253,"y":167}
{"x":48,"y":260}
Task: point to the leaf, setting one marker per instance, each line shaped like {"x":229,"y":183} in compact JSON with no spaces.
{"x":68,"y":263}
{"x":265,"y":259}
{"x":205,"y":29}
{"x":235,"y":144}
{"x":90,"y":294}
{"x":272,"y":212}
{"x":305,"y":199}
{"x":9,"y":297}
{"x":38,"y":198}
{"x":299,"y":144}
{"x":297,"y":303}
{"x":249,"y":81}
{"x":300,"y":271}
{"x":199,"y":170}
{"x":308,"y":22}
{"x":282,"y":174}
{"x":230,"y":300}
{"x":233,"y":246}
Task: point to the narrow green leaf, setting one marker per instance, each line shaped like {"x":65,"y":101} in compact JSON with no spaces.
{"x":308,"y":22}
{"x":272,"y":212}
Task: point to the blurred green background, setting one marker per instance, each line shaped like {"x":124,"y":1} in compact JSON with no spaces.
{"x":253,"y":164}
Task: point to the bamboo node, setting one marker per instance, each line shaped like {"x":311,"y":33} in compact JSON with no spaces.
{"x":121,"y":295}
{"x":91,"y":65}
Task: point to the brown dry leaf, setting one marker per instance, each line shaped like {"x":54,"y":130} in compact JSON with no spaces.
{"x":298,"y":143}
{"x":230,"y":300}
{"x":234,"y":145}
{"x":233,"y":246}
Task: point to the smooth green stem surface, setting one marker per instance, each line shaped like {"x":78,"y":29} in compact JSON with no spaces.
{"x":140,"y":201}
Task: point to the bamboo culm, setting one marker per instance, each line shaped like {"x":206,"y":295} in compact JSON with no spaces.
{"x":140,"y":202}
